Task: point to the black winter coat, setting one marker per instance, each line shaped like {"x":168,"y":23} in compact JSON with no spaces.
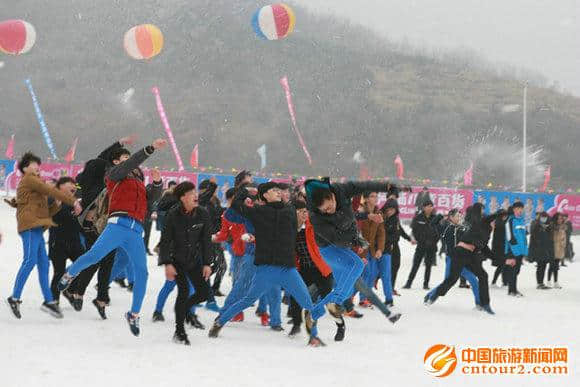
{"x":340,"y":228}
{"x":276,"y":227}
{"x":394,"y":232}
{"x":425,"y":230}
{"x":92,"y":178}
{"x":498,"y":242}
{"x":541,"y":247}
{"x":67,"y":232}
{"x":186,"y":238}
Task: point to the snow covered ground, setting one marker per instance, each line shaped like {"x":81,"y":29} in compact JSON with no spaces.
{"x":82,"y":350}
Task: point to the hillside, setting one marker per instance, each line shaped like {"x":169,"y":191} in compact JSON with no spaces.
{"x":220,"y":88}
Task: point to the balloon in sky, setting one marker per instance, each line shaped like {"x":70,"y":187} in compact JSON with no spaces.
{"x":16,"y":37}
{"x":274,"y":22}
{"x":143,"y":41}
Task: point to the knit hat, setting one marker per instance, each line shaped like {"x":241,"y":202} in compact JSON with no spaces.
{"x":391,"y":203}
{"x":299,"y":204}
{"x":204,"y":184}
{"x":241,"y":176}
{"x":265,"y":187}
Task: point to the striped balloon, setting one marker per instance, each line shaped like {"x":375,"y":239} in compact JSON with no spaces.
{"x":274,"y":22}
{"x":143,"y":41}
{"x":16,"y":37}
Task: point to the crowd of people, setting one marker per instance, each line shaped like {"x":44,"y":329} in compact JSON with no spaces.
{"x":313,"y":246}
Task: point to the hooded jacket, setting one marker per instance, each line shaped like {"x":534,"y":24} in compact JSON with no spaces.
{"x":339,"y":228}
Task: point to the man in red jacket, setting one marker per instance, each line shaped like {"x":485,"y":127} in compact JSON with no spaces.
{"x":127,"y":208}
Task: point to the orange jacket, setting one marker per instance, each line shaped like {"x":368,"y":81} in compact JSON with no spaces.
{"x":314,"y":252}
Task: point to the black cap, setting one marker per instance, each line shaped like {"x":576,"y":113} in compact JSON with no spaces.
{"x":298,"y":204}
{"x":241,"y":176}
{"x":265,"y":187}
{"x":204,"y":184}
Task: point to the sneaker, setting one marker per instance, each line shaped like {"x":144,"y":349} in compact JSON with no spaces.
{"x":238,"y":317}
{"x":395,"y":293}
{"x":158,"y":317}
{"x":180,"y":337}
{"x":64,"y":282}
{"x":365,"y":304}
{"x":487,"y":309}
{"x":215,"y":329}
{"x":121,"y":283}
{"x":100,"y":309}
{"x":294,"y":331}
{"x":133,"y":322}
{"x":353,"y":314}
{"x":542,"y":287}
{"x":78,"y":304}
{"x":557,"y":286}
{"x":51,"y":308}
{"x":429,"y":299}
{"x":14,"y":306}
{"x":340,"y":329}
{"x":478,"y":307}
{"x":70,"y":298}
{"x":192,"y":320}
{"x":130,"y":288}
{"x":426,"y":287}
{"x":394,"y":317}
{"x":212,"y":306}
{"x":407,"y":286}
{"x":277,"y":328}
{"x":316,"y":342}
{"x":464,"y":286}
{"x":265,"y":319}
{"x":515,"y":294}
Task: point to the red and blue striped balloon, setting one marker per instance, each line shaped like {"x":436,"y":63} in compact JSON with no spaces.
{"x":274,"y":22}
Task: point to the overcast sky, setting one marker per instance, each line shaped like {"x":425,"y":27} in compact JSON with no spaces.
{"x":542,"y":35}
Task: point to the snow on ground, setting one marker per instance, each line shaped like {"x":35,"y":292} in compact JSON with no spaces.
{"x":82,"y":350}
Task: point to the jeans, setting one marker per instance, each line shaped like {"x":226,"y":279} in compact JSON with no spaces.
{"x":121,"y":233}
{"x":34,"y":255}
{"x":266,"y":278}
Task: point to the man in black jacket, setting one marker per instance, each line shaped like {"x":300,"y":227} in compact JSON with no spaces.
{"x":394,"y":231}
{"x":154,"y":192}
{"x":336,"y":232}
{"x":471,"y":242}
{"x":64,"y":241}
{"x":424,"y":226}
{"x":185,"y":250}
{"x":276,"y":227}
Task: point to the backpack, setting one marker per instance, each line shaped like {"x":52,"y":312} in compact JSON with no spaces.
{"x":98,"y":211}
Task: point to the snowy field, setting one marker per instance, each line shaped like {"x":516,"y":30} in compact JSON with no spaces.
{"x":83,"y":350}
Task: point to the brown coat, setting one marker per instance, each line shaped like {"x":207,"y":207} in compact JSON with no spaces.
{"x":374,"y":233}
{"x":32,"y":209}
{"x":559,"y":236}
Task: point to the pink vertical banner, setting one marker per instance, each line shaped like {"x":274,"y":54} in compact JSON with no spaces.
{"x":165,"y":123}
{"x":286,"y":86}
